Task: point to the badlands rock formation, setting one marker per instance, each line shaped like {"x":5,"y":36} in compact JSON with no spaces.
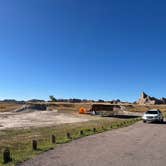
{"x":146,"y":99}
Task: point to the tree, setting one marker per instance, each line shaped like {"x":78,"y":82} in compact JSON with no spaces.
{"x":52,"y":98}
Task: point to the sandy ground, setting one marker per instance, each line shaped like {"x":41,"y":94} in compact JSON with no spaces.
{"x":137,"y":145}
{"x":37,"y":119}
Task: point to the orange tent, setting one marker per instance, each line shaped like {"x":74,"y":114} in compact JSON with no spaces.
{"x":82,"y":110}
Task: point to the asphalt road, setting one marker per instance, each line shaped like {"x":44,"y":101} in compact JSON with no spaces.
{"x":137,"y":145}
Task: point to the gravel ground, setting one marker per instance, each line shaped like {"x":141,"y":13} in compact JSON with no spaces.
{"x":9,"y":120}
{"x":137,"y":145}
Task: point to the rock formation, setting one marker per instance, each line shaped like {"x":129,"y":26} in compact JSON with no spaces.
{"x":145,"y":99}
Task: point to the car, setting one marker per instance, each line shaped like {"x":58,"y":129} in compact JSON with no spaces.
{"x":153,"y":116}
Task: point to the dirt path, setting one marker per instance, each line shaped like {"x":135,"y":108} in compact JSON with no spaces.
{"x":138,"y":145}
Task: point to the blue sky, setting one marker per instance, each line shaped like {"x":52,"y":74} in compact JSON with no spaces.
{"x":91,"y":49}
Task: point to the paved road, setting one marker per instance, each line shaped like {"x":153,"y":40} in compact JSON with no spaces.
{"x":137,"y":145}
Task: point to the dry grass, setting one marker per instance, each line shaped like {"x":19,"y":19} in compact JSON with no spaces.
{"x":19,"y":141}
{"x":71,"y":107}
{"x":5,"y":107}
{"x":74,"y":107}
{"x":144,"y":108}
{"x":129,"y":107}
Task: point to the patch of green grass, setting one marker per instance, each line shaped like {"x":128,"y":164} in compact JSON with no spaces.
{"x":19,"y":141}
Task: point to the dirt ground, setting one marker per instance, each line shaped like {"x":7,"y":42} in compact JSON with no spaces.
{"x":138,"y":145}
{"x":67,"y":113}
{"x":38,"y":119}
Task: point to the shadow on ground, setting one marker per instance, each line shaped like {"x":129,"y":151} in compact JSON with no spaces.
{"x":160,"y":123}
{"x":125,"y":116}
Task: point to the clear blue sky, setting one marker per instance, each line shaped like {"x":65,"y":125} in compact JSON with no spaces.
{"x":82,"y":48}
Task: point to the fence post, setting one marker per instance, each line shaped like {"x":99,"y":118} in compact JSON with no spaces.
{"x":53,"y":139}
{"x":34,"y":144}
{"x":68,"y":136}
{"x":6,"y":156}
{"x":81,"y":132}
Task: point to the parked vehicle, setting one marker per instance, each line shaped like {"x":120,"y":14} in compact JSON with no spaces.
{"x":153,"y":116}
